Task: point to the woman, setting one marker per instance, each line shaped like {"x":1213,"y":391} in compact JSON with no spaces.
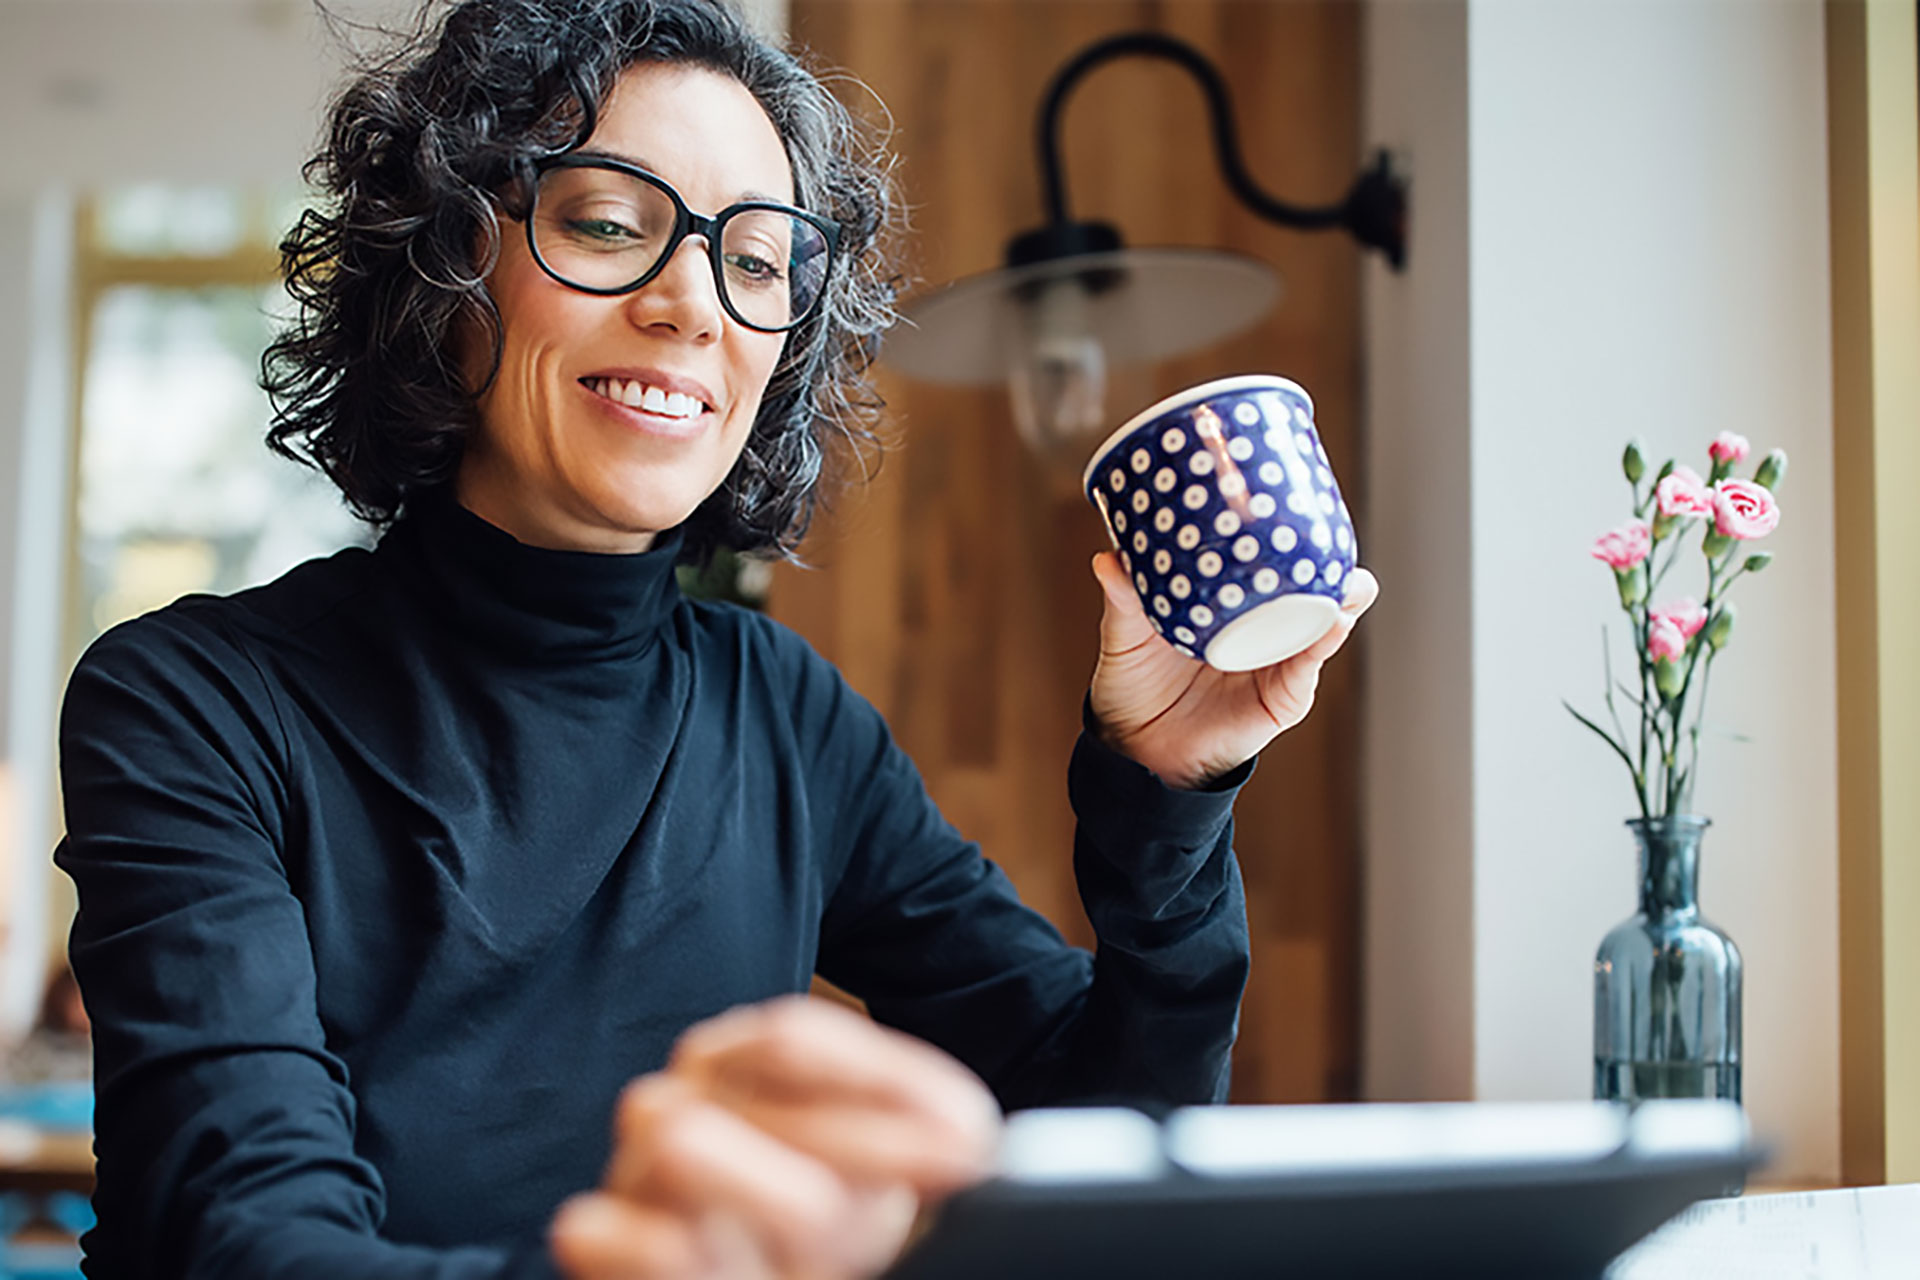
{"x":394,"y":874}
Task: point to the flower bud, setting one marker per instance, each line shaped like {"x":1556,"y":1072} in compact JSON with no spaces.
{"x":1634,"y":462}
{"x":1758,"y":561}
{"x":1719,"y":628}
{"x":1773,"y":469}
{"x":1665,"y":471}
{"x":1667,"y":678}
{"x":1633,"y":586}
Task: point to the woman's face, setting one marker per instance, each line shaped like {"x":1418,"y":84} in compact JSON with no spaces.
{"x":559,"y":460}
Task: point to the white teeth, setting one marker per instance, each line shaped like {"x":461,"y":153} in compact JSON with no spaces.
{"x":639,"y":395}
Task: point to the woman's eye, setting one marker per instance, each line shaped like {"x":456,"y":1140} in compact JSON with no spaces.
{"x":604,"y":229}
{"x":754,"y":268}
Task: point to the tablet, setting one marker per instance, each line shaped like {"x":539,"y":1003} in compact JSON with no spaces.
{"x":1528,"y":1191}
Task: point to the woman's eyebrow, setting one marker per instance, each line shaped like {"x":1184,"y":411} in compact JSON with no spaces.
{"x":640,"y":162}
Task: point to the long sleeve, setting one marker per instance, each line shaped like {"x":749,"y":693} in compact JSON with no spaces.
{"x":933,"y":937}
{"x":225,"y":1126}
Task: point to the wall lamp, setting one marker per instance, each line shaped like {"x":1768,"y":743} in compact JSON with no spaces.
{"x":1072,"y":298}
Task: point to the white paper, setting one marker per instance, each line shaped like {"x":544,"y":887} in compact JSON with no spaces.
{"x":1865,"y":1233}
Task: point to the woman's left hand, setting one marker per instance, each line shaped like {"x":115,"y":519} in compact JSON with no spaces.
{"x":1183,"y":719}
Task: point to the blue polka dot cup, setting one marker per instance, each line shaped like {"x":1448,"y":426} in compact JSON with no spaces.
{"x":1227,"y":517}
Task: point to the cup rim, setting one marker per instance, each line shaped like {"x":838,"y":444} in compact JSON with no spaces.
{"x":1204,"y":391}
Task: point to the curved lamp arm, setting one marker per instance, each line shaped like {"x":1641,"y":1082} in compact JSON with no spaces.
{"x":1375,"y":207}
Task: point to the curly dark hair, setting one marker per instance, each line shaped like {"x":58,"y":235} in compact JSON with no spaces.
{"x":424,"y":147}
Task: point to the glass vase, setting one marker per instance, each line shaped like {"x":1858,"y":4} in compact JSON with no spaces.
{"x":1666,"y":984}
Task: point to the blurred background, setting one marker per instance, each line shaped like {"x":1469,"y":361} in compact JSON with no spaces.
{"x":1628,"y":217}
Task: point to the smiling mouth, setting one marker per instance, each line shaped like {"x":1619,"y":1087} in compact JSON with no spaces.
{"x":647,"y":398}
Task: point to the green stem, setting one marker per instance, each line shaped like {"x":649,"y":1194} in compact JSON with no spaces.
{"x":1693,"y":769}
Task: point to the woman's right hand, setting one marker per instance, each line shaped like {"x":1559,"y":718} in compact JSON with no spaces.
{"x":793,"y":1140}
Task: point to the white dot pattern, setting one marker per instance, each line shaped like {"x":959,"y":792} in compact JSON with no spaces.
{"x":1215,"y":512}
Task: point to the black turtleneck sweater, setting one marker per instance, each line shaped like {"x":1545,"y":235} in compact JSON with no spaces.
{"x":393,"y":871}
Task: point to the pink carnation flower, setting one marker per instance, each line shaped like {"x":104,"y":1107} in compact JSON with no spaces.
{"x":1624,"y":547}
{"x":1686,"y":613}
{"x":1744,"y":510}
{"x":1729,"y":448}
{"x":1683,"y":495}
{"x":1665,"y":641}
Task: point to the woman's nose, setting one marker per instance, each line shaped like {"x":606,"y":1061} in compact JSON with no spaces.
{"x":683,"y":297}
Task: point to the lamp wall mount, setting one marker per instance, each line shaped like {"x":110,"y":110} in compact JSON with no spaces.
{"x":1374,"y":209}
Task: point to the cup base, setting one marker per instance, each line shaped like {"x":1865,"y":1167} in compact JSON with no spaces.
{"x":1272,"y":632}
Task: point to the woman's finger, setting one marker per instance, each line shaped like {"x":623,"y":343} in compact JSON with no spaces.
{"x":866,"y":1145}
{"x":814,"y":1052}
{"x":1123,"y":621}
{"x":679,"y":1151}
{"x":602,"y":1237}
{"x":1362,"y":590}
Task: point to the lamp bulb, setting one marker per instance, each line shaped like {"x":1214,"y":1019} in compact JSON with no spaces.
{"x":1057,"y":376}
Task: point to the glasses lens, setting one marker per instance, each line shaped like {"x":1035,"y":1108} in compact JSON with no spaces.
{"x":774,"y":265}
{"x":599,"y":229}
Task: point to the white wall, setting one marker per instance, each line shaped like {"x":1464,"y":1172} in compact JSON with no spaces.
{"x":1645,"y":253}
{"x":35,"y":253}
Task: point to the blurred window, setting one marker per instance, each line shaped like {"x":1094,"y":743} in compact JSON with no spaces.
{"x":175,"y":489}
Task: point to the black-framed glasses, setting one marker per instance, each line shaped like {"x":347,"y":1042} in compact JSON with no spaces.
{"x":607,"y":227}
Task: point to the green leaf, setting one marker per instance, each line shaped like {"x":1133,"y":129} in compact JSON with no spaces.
{"x":1604,"y":737}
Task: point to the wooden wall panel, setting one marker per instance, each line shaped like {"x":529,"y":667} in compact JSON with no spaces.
{"x":954,"y":589}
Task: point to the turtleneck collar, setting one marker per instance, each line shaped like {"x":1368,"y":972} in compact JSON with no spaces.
{"x":532,"y":602}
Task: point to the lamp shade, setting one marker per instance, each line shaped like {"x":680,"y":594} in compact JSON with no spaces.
{"x":1139,"y":305}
